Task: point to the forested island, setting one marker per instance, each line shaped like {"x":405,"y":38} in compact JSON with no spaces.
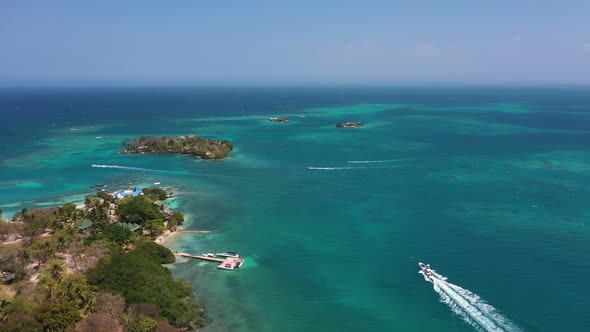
{"x":349,"y":124}
{"x":94,"y":268}
{"x":189,"y":145}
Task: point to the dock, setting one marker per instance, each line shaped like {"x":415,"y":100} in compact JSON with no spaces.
{"x":225,"y":263}
{"x":194,"y":231}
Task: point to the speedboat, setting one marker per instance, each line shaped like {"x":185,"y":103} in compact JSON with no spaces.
{"x":426,"y":269}
{"x":229,"y":254}
{"x":209,"y":255}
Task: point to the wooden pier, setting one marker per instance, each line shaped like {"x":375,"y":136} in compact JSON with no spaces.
{"x":194,"y":231}
{"x":201,"y":257}
{"x":225,"y":263}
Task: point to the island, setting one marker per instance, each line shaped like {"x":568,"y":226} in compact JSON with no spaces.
{"x":282,"y":120}
{"x":94,"y":267}
{"x":190,"y":145}
{"x":349,"y":124}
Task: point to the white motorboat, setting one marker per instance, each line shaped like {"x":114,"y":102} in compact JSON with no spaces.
{"x":229,"y":254}
{"x":426,"y":269}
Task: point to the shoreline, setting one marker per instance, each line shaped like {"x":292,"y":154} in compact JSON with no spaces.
{"x":166,"y":236}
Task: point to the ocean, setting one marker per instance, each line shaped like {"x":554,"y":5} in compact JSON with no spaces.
{"x":489,"y":185}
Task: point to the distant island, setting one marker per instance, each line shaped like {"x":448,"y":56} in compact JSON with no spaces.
{"x":189,"y":145}
{"x":349,"y":124}
{"x":283,"y":120}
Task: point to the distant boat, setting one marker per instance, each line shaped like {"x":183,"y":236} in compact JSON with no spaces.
{"x":283,"y":120}
{"x":156,"y":183}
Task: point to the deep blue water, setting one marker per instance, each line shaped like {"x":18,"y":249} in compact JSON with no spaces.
{"x":488,"y":185}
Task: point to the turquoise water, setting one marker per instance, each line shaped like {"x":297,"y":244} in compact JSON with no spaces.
{"x":489,"y":186}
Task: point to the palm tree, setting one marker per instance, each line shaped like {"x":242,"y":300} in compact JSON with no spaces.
{"x":48,"y":284}
{"x":62,"y":243}
{"x":55,"y":272}
{"x":24,"y":257}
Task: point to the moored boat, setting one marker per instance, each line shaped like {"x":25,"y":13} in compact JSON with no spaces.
{"x":229,"y":254}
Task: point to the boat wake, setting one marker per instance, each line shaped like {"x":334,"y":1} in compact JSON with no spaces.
{"x":334,"y":168}
{"x":135,"y":168}
{"x":347,"y":168}
{"x":470,"y":307}
{"x":376,"y":161}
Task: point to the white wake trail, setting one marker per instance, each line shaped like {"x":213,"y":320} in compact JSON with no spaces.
{"x":349,"y":168}
{"x":134,"y":168}
{"x":333,"y":168}
{"x":476,"y":315}
{"x":487,"y":309}
{"x":470,"y":307}
{"x":377,"y":161}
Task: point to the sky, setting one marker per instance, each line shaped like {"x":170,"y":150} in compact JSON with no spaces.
{"x":221,"y":42}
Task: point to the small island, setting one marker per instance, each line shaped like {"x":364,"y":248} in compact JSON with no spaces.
{"x":190,"y":145}
{"x":282,"y":120}
{"x":349,"y":124}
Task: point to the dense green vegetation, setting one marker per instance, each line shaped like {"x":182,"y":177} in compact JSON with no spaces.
{"x":156,"y":194}
{"x":103,"y":278}
{"x":138,"y":210}
{"x":118,"y":234}
{"x":155,"y":252}
{"x":140,"y":278}
{"x":190,"y":145}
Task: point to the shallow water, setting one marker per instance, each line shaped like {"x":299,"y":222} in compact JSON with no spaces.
{"x":489,"y":186}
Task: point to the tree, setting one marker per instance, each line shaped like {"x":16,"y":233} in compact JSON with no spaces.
{"x":55,"y":272}
{"x":4,"y":230}
{"x":56,"y":316}
{"x":67,"y":213}
{"x":117,"y":233}
{"x":110,"y":304}
{"x":62,"y":243}
{"x":48,"y":285}
{"x":75,"y":290}
{"x":155,"y":252}
{"x":34,"y":227}
{"x":20,"y":323}
{"x":99,"y":215}
{"x":24,"y":256}
{"x":154,"y":227}
{"x":106,"y":196}
{"x":99,"y":322}
{"x":176,"y":219}
{"x":164,"y":326}
{"x":190,"y":314}
{"x":1,"y":212}
{"x":140,"y":279}
{"x":138,"y":210}
{"x":156,"y":194}
{"x":141,"y":324}
{"x":145,"y":309}
{"x":41,"y":251}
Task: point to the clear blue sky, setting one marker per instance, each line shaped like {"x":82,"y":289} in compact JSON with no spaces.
{"x":295,"y":42}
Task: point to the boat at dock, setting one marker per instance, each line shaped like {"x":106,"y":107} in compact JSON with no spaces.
{"x":229,"y":254}
{"x":99,"y":187}
{"x":227,"y":261}
{"x":231,"y":263}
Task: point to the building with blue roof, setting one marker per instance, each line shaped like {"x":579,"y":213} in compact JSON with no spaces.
{"x":127,"y":193}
